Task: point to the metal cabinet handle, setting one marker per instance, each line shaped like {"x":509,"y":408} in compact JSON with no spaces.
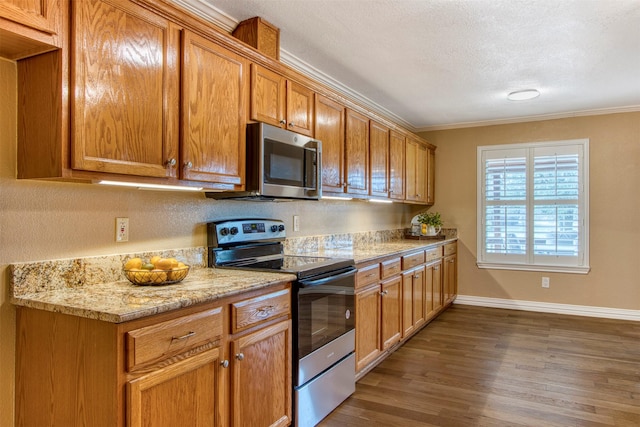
{"x":171,"y":162}
{"x":283,"y":122}
{"x":188,"y":165}
{"x":383,"y":293}
{"x":291,"y":124}
{"x":183,"y":337}
{"x":240,"y":356}
{"x":224,"y":363}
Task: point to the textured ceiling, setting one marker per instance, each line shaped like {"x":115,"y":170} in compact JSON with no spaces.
{"x":448,"y":63}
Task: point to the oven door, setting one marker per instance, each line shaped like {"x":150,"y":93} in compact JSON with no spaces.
{"x":325,"y":310}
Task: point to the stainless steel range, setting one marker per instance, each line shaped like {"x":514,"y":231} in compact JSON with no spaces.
{"x":323,"y":310}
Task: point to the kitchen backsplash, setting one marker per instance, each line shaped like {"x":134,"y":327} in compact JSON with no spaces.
{"x":43,"y":276}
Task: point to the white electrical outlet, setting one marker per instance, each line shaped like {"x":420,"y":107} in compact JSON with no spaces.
{"x":122,"y":230}
{"x":296,"y":223}
{"x":545,"y":282}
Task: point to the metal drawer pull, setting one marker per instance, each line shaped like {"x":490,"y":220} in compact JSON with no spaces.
{"x":265,"y":311}
{"x":184,"y":337}
{"x":224,"y":363}
{"x":240,"y":356}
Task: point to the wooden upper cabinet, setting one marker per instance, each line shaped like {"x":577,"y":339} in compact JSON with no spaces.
{"x":431,"y":176}
{"x":300,"y":108}
{"x":379,"y":158}
{"x":214,"y":88}
{"x":268,"y":94}
{"x":126,"y":86}
{"x":357,"y":153}
{"x":281,"y":102}
{"x":329,"y":129}
{"x":29,"y":27}
{"x":416,"y":159}
{"x":396,"y":165}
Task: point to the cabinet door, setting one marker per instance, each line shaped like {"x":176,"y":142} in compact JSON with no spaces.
{"x":329,"y":128}
{"x":431,"y":176}
{"x":37,"y":14}
{"x":437,"y":287}
{"x":411,"y":167}
{"x":450,"y":278}
{"x":418,"y":297}
{"x":396,"y":165}
{"x":126,"y":86}
{"x":268,"y":94}
{"x":379,"y":158}
{"x":367,"y":326}
{"x":300,"y":106}
{"x":391,"y":312}
{"x":261,"y":377}
{"x":186,"y":393}
{"x":357,"y":153}
{"x":213,"y":120}
{"x":432,"y":280}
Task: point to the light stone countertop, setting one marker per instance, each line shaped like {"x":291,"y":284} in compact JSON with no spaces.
{"x":60,"y":286}
{"x":122,"y":301}
{"x":369,"y":252}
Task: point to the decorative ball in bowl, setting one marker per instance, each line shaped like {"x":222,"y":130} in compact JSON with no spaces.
{"x":158,"y":271}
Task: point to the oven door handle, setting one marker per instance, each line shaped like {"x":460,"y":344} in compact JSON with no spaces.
{"x":325,"y":280}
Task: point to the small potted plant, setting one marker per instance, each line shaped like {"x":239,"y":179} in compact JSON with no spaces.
{"x":431,"y":223}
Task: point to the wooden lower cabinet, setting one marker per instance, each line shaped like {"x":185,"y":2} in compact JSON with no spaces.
{"x":413,"y":300}
{"x":391,"y":311}
{"x":185,"y":393}
{"x":397,"y":296}
{"x":450,"y":278}
{"x":367,"y":326}
{"x":261,"y":377}
{"x":181,"y":368}
{"x":433,"y":288}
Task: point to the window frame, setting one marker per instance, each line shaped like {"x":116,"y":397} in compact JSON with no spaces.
{"x":530,"y":261}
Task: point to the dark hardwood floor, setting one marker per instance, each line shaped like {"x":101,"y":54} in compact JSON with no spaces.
{"x":476,"y":366}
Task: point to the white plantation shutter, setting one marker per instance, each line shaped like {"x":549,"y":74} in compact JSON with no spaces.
{"x":532,"y":206}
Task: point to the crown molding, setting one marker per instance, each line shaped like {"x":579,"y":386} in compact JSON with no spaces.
{"x":208,"y":12}
{"x":596,"y":112}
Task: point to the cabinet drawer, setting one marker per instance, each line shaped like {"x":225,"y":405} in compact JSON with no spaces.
{"x":253,"y":311}
{"x":432,"y":254}
{"x":410,"y":261}
{"x":151,"y":344}
{"x":450,"y":248}
{"x":390,"y":268}
{"x":367,"y":275}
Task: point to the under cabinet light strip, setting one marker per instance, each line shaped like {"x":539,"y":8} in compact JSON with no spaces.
{"x":144,"y":186}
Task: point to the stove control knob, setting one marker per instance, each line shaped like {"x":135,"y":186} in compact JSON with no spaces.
{"x":274,"y":228}
{"x":224,"y":231}
{"x":234,"y":231}
{"x":281,"y":227}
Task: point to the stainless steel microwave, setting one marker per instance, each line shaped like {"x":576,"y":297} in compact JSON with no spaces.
{"x":280,"y":165}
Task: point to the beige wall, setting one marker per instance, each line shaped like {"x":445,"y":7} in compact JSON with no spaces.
{"x":614,"y":210}
{"x":48,"y":220}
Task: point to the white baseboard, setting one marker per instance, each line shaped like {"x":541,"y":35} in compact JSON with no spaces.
{"x":546,"y":307}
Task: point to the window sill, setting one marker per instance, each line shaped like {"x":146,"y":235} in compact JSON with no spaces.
{"x":527,"y":267}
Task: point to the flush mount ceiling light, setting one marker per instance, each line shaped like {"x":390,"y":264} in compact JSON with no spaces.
{"x":523,"y":95}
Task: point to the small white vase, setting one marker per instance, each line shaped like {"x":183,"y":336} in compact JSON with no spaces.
{"x":430,"y":230}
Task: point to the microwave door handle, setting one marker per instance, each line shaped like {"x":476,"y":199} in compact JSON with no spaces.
{"x":325,"y":280}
